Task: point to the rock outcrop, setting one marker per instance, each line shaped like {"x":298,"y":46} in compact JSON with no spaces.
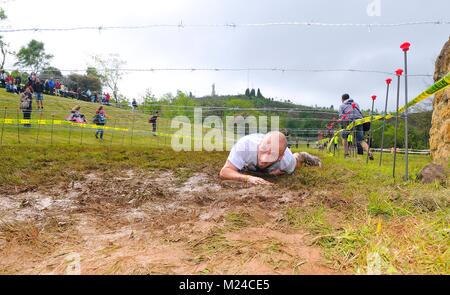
{"x":432,"y":172}
{"x":440,"y":130}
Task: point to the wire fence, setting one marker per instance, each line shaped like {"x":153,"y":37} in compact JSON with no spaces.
{"x":51,"y":126}
{"x":132,"y":128}
{"x":212,"y":69}
{"x":182,"y":25}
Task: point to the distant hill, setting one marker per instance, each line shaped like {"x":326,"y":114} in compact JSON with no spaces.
{"x":257,"y":102}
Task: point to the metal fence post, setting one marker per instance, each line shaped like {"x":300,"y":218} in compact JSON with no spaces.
{"x":18,"y":127}
{"x":388,"y":82}
{"x":405,"y":48}
{"x":38,"y":127}
{"x":399,"y":72}
{"x":51,"y":132}
{"x":3,"y":127}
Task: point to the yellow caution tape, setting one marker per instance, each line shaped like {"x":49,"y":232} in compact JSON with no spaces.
{"x":79,"y":125}
{"x":436,"y":87}
{"x":58,"y":122}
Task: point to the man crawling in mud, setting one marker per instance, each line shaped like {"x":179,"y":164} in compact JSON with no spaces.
{"x":264,"y":154}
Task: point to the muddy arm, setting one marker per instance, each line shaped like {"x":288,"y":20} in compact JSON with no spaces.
{"x":229,"y":172}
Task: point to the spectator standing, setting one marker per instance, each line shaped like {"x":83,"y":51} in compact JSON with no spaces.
{"x":46,"y":87}
{"x":26,"y":100}
{"x":88,"y":94}
{"x":94,"y":97}
{"x":63,"y":91}
{"x":18,"y":84}
{"x":107,"y":98}
{"x":31,"y":80}
{"x":38,"y":88}
{"x":51,"y":86}
{"x":134,"y":104}
{"x":58,"y":88}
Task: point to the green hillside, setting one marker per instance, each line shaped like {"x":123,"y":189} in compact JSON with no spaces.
{"x":301,"y":121}
{"x":58,"y":108}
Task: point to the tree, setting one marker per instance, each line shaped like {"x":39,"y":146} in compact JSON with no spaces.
{"x":3,"y":45}
{"x":185,"y":103}
{"x":2,"y":14}
{"x":110,"y":72}
{"x":84,"y":82}
{"x":259,"y":95}
{"x":51,"y":72}
{"x":91,"y":71}
{"x":33,"y":56}
{"x":22,"y":75}
{"x":247,"y":92}
{"x":149,"y":102}
{"x":4,"y":50}
{"x":252,"y":93}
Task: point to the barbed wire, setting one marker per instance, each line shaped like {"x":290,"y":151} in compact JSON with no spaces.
{"x":256,"y":69}
{"x":182,"y":25}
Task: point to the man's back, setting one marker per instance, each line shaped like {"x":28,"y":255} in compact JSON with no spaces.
{"x":346,"y":109}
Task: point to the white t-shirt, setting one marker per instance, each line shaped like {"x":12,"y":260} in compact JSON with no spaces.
{"x":244,"y":155}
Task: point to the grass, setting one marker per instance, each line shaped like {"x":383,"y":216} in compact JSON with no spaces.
{"x":351,"y":214}
{"x":362,"y":218}
{"x":404,"y":225}
{"x":58,"y":108}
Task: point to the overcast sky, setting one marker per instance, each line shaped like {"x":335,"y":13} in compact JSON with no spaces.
{"x":241,"y":47}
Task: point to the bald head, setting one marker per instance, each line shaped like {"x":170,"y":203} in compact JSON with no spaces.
{"x":271,"y":149}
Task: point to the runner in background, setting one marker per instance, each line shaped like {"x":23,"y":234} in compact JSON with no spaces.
{"x":100,"y":120}
{"x":350,"y":109}
{"x":153,"y":120}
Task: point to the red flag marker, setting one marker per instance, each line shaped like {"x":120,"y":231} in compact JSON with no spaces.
{"x":388,"y":81}
{"x":405,"y":46}
{"x":399,"y":72}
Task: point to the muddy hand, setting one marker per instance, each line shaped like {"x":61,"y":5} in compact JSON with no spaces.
{"x":258,"y":181}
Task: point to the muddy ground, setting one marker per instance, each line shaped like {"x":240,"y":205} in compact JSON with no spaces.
{"x":154,"y":223}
